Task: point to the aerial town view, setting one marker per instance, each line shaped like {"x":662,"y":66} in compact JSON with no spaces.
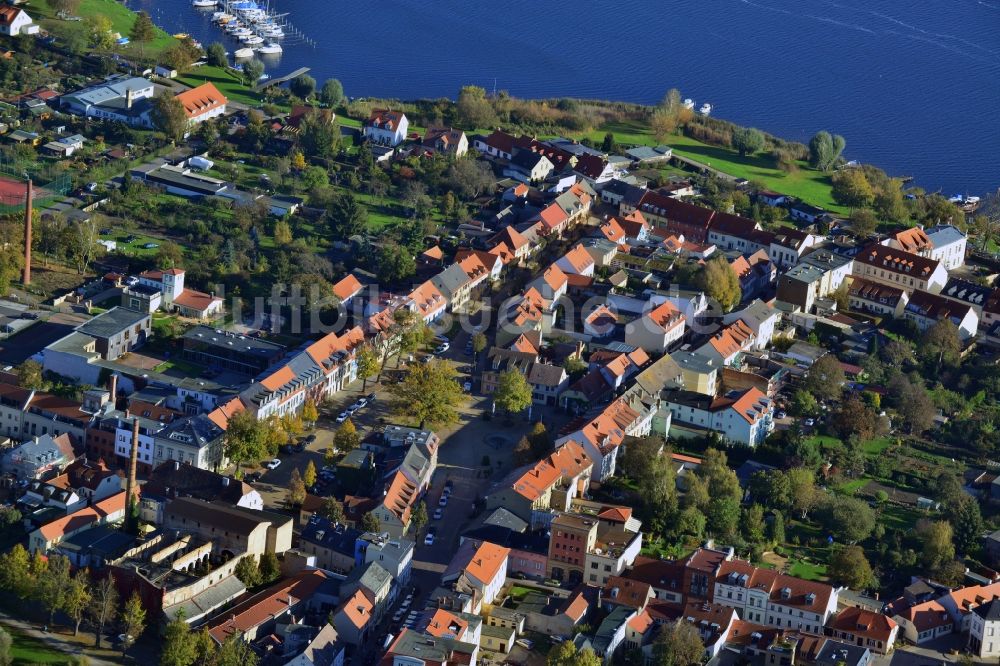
{"x":430,"y":334}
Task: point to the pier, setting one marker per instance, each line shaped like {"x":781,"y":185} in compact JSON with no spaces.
{"x":281,"y":79}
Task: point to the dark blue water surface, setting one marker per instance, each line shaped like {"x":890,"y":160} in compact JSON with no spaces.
{"x":914,"y":87}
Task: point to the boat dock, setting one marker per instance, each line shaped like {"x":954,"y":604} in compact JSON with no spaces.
{"x":281,"y":79}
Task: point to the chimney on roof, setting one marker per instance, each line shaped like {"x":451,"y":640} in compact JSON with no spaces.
{"x":128,"y":98}
{"x":113,"y":387}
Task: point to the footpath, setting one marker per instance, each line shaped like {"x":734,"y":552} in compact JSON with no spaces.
{"x":55,"y":641}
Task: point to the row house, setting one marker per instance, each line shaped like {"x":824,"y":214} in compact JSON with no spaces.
{"x":668,"y":215}
{"x":480,"y":568}
{"x":767,"y":597}
{"x":924,"y":622}
{"x":926,"y":309}
{"x":547,"y":381}
{"x":726,"y":346}
{"x":876,"y":298}
{"x":944,"y":243}
{"x":601,"y":436}
{"x":744,"y":417}
{"x":26,"y":413}
{"x":511,"y":246}
{"x":864,"y":628}
{"x":320,"y":370}
{"x":788,"y":246}
{"x":409,"y":483}
{"x":760,"y":318}
{"x":732,"y":232}
{"x":427,"y":302}
{"x":898,"y":268}
{"x":549,"y":485}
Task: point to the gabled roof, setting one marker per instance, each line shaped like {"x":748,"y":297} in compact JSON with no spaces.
{"x":266,"y":605}
{"x":731,"y":339}
{"x":84,"y":517}
{"x":511,"y":237}
{"x":782,"y":589}
{"x":567,"y":461}
{"x":487,"y":562}
{"x":202,"y":99}
{"x":927,"y":615}
{"x":358,"y":608}
{"x":625,"y":592}
{"x":347,"y":287}
{"x":195,"y":300}
{"x":862,"y":622}
{"x":554,"y":278}
{"x":579,"y":258}
{"x":912,"y":240}
{"x":221,"y":414}
{"x":612,"y":230}
{"x":874,"y":291}
{"x":8,"y":13}
{"x":665,"y":316}
{"x":898,"y":261}
{"x":937,"y":307}
{"x":385,"y":119}
{"x":553,"y":216}
{"x":590,"y":166}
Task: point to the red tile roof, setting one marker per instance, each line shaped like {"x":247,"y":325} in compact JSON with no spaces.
{"x":347,"y":287}
{"x":487,"y":562}
{"x":861,"y":622}
{"x":201,"y":99}
{"x":265,"y":605}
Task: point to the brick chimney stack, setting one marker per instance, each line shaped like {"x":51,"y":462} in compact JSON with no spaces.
{"x":27,"y":235}
{"x":113,"y":387}
{"x":130,"y":486}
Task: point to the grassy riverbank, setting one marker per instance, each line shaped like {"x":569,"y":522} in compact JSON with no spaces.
{"x":121,"y":18}
{"x":811,"y":186}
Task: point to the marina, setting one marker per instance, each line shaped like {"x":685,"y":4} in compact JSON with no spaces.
{"x":254,"y":26}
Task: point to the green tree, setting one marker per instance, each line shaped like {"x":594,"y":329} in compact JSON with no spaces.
{"x":217,"y":55}
{"x":419,"y":517}
{"x":851,"y":188}
{"x":479,"y":343}
{"x":204,"y":648}
{"x":370,"y":523}
{"x":178,"y":645}
{"x":296,"y":493}
{"x":50,"y":589}
{"x":133,"y":620}
{"x":849,"y":566}
{"x":347,"y":216}
{"x":938,"y":543}
{"x":803,"y":403}
{"x":235,"y":651}
{"x":282,"y":233}
{"x":248,"y":572}
{"x":6,"y":643}
{"x":302,"y":86}
{"x":825,"y":150}
{"x":657,"y":485}
{"x":429,"y":395}
{"x":246,"y":439}
{"x":863,"y":222}
{"x":719,"y":282}
{"x":395,"y":263}
{"x":103,"y":608}
{"x":332,"y":93}
{"x":940,"y":344}
{"x":143,"y":31}
{"x":253,"y":69}
{"x":513,"y":393}
{"x":690,"y":522}
{"x":826,"y":378}
{"x":269,"y":567}
{"x":566,"y":654}
{"x":473,"y":109}
{"x":309,"y":476}
{"x":967,"y":523}
{"x":637,"y":455}
{"x":309,"y":412}
{"x":319,"y":136}
{"x":609,"y":145}
{"x":29,"y":375}
{"x":368,"y":365}
{"x":777,"y":529}
{"x":15,"y":571}
{"x":169,"y":255}
{"x":802,"y":488}
{"x":849,"y":519}
{"x":748,"y":140}
{"x":76,"y":598}
{"x":470,"y":178}
{"x":346,"y":437}
{"x":678,"y":645}
{"x":753,"y":524}
{"x":332,"y":510}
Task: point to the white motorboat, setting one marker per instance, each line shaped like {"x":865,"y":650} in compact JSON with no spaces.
{"x":274,"y":32}
{"x":243,"y":53}
{"x":269,"y":48}
{"x":705,"y":109}
{"x":240,"y":31}
{"x":204,"y":3}
{"x":689,"y":103}
{"x":252,"y":40}
{"x":222,"y":17}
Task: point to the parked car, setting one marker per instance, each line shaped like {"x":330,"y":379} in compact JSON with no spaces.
{"x":370,"y":398}
{"x":252,"y":477}
{"x":361,"y":402}
{"x":438,"y":513}
{"x":273,"y":464}
{"x":429,"y":539}
{"x":780,"y":414}
{"x":311,"y":438}
{"x":467,"y":387}
{"x":29,"y":315}
{"x":150,"y":246}
{"x":442,"y":349}
{"x":287,"y":449}
{"x":809,"y":423}
{"x":443,"y":501}
{"x":343,"y":416}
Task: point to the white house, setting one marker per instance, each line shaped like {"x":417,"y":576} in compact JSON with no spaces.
{"x":577,"y":262}
{"x":657,"y":330}
{"x":926,"y":309}
{"x":15,"y":21}
{"x":386,"y":128}
{"x":760,"y":318}
{"x":202,"y":103}
{"x":483,"y":568}
{"x":899,"y":268}
{"x":948,"y":245}
{"x":764,"y":596}
{"x":984,"y":630}
{"x":740,"y":417}
{"x":118,"y":98}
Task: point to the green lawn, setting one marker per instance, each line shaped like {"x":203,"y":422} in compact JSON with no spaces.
{"x":809,"y":185}
{"x":877,"y":446}
{"x":121,"y":18}
{"x":900,"y":517}
{"x":517,"y":592}
{"x":807,"y":570}
{"x":27,"y":650}
{"x":227,"y":81}
{"x":853,"y":486}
